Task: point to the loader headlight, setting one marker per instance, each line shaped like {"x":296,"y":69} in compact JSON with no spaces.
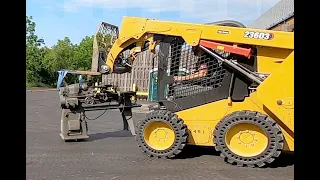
{"x":105,"y":68}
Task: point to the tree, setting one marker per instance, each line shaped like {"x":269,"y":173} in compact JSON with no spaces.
{"x":43,"y":63}
{"x":60,"y":56}
{"x":34,"y":53}
{"x":31,"y":38}
{"x":83,"y":54}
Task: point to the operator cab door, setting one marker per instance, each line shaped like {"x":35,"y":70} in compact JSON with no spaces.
{"x":219,"y":83}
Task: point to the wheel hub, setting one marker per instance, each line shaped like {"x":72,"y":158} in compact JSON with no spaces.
{"x":159,"y":135}
{"x":246,"y":137}
{"x":246,"y":140}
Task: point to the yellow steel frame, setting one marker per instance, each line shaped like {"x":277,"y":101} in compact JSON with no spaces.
{"x":137,"y":30}
{"x":275,"y":56}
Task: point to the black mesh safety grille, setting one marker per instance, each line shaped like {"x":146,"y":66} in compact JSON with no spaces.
{"x":185,"y":64}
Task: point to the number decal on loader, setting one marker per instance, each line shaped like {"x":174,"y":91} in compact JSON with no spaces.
{"x":258,"y":35}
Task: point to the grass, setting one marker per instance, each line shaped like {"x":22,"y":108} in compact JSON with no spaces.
{"x":36,"y":84}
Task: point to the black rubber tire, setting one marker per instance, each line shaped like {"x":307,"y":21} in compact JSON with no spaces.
{"x":172,"y":120}
{"x":271,"y":128}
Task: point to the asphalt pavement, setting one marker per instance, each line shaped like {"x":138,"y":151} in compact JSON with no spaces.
{"x":112,"y":154}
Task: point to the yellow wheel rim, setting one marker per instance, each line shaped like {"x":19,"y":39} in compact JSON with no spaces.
{"x":159,"y":135}
{"x":246,"y":140}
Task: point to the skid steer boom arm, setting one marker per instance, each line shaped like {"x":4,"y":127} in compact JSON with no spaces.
{"x":140,"y":34}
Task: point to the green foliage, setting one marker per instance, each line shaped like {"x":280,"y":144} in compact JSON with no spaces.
{"x":104,"y":40}
{"x":43,"y":63}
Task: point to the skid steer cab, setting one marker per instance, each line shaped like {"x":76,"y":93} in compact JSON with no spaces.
{"x":79,"y":98}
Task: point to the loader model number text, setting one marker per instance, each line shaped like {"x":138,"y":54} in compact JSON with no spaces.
{"x":257,"y":35}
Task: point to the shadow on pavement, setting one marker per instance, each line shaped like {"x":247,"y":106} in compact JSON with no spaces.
{"x":284,"y":160}
{"x":196,"y":151}
{"x":99,"y":136}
